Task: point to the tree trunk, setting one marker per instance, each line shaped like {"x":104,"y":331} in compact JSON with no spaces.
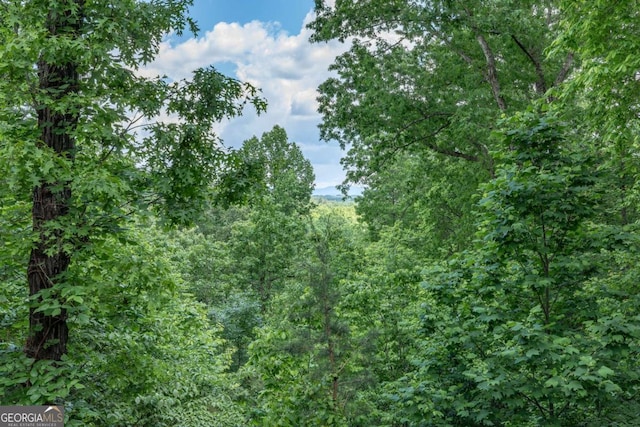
{"x":50,"y":257}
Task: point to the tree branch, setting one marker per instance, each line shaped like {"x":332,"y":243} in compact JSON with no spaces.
{"x":535,"y":402}
{"x":564,"y":71}
{"x":431,"y":146}
{"x":448,"y":42}
{"x":492,"y":73}
{"x":541,"y":85}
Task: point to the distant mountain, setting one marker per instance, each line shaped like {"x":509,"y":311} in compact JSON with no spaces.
{"x":334,"y":192}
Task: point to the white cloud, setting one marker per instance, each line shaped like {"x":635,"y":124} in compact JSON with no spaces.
{"x":287,"y":68}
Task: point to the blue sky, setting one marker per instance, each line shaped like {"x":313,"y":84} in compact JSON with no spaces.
{"x":263,"y":42}
{"x":288,"y":13}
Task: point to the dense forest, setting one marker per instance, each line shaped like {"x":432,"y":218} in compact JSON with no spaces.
{"x":487,"y":276}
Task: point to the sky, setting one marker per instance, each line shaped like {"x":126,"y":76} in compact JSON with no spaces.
{"x":265,"y":43}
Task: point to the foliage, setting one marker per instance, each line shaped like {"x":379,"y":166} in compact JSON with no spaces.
{"x":113,"y":101}
{"x":512,"y":329}
{"x":604,"y":34}
{"x":80,"y":134}
{"x":265,"y":246}
{"x":270,"y":168}
{"x":520,"y":330}
{"x":306,"y":361}
{"x":429,"y":198}
{"x":144,"y":351}
{"x":240,"y":256}
{"x":431,"y":76}
{"x":606,"y":90}
{"x":486,"y":276}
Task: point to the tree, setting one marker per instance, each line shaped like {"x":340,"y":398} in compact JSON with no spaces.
{"x":248,"y":248}
{"x":523,"y":329}
{"x":272,"y":168}
{"x":287,"y":175}
{"x":416,"y":98}
{"x":432,"y":76}
{"x":148,"y":356}
{"x":604,"y":90}
{"x":424,"y":201}
{"x":307,"y":364}
{"x":143,"y":351}
{"x":70,"y":102}
{"x":603,"y":34}
{"x":279,"y":197}
{"x":533,"y":324}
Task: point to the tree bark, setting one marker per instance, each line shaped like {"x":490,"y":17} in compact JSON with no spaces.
{"x":492,"y":72}
{"x":50,"y":257}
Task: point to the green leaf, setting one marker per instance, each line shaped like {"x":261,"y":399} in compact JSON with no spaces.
{"x":605,"y":372}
